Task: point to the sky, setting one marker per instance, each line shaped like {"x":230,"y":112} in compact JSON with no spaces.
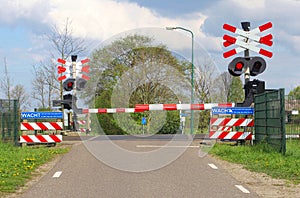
{"x":24,"y":24}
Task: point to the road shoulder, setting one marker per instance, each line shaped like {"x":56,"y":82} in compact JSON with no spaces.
{"x":262,"y":184}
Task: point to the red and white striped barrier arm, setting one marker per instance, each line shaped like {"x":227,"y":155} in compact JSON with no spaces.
{"x":158,"y":107}
{"x":170,"y":107}
{"x":40,"y":138}
{"x":109,"y":110}
{"x":28,"y":126}
{"x":232,"y":122}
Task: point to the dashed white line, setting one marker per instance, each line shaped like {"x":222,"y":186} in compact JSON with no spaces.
{"x":57,"y":174}
{"x":241,"y":188}
{"x":164,"y":146}
{"x":213,"y":166}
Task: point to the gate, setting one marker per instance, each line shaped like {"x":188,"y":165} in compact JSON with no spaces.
{"x":9,"y":120}
{"x":269,"y":119}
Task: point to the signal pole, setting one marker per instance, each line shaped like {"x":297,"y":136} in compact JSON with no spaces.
{"x":72,"y":84}
{"x":73,"y":75}
{"x":246,"y":27}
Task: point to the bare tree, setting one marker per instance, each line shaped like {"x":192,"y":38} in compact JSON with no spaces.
{"x":18,"y":92}
{"x":63,"y":41}
{"x":51,"y":81}
{"x":46,"y":86}
{"x":204,"y":81}
{"x":39,"y":87}
{"x":13,"y":92}
{"x":6,"y":81}
{"x":226,"y":80}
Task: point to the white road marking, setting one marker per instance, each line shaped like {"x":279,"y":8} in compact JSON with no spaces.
{"x":164,"y":146}
{"x":57,"y":174}
{"x":241,"y":188}
{"x":213,"y":166}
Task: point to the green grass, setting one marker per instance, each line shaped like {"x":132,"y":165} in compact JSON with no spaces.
{"x":259,"y":158}
{"x":17,"y":164}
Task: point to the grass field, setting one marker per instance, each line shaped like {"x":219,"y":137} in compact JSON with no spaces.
{"x":259,"y":158}
{"x":17,"y":164}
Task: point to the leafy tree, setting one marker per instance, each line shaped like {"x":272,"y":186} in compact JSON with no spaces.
{"x":172,"y":124}
{"x":145,"y":70}
{"x":236,"y":93}
{"x":295,"y":94}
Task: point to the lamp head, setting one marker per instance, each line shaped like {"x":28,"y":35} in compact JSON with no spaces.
{"x":171,"y":28}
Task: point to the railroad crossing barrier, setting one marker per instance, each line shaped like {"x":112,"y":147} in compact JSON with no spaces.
{"x":159,"y":107}
{"x":40,"y":126}
{"x":219,"y":130}
{"x":84,"y":126}
{"x":45,"y":126}
{"x":40,"y":138}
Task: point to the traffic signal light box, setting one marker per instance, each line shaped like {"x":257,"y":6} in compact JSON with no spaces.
{"x":237,"y":66}
{"x":69,"y":84}
{"x":251,"y":88}
{"x":67,"y":101}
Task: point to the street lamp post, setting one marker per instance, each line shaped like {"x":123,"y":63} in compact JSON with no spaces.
{"x":192,"y":73}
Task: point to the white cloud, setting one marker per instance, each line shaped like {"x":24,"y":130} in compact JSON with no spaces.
{"x":105,"y":18}
{"x":14,"y":11}
{"x":102,"y":19}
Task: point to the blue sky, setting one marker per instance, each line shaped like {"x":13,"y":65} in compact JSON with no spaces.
{"x":23,"y":25}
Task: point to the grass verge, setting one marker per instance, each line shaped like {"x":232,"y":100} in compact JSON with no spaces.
{"x":259,"y":158}
{"x":17,"y":164}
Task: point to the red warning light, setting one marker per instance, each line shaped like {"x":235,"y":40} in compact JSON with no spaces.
{"x":239,"y":65}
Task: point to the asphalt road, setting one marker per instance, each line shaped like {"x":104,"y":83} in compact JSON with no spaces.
{"x":84,"y":173}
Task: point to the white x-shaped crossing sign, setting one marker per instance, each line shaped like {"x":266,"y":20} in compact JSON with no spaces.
{"x":247,"y":40}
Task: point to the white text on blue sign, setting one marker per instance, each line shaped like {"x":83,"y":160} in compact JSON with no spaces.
{"x":233,"y":110}
{"x":41,"y":115}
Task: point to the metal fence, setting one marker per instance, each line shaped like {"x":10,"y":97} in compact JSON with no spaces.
{"x":270,"y":119}
{"x":292,"y":109}
{"x":9,"y":120}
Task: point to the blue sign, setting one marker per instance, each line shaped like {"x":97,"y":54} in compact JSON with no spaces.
{"x":41,"y":115}
{"x":232,"y":110}
{"x":184,"y":114}
{"x":144,"y":121}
